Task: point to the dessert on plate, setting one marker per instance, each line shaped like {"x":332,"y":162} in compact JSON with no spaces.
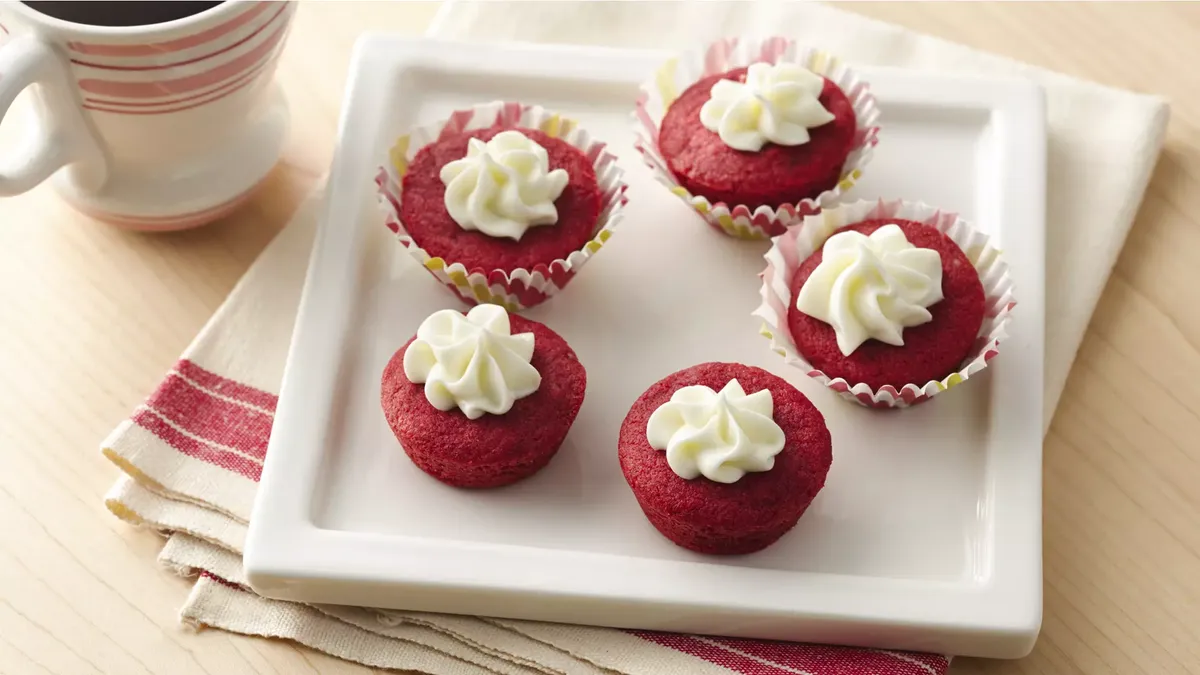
{"x":503,"y":203}
{"x":889,"y":303}
{"x":499,"y":197}
{"x":765,"y":135}
{"x":756,"y":134}
{"x":724,"y":458}
{"x":886,"y":301}
{"x":482,"y":399}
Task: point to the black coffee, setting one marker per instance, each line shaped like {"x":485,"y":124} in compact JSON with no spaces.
{"x":103,"y":13}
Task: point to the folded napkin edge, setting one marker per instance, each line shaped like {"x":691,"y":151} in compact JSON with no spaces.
{"x":443,"y":27}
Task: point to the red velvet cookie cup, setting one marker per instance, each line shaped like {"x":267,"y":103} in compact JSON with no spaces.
{"x":424,"y":214}
{"x":931,"y":351}
{"x":686,"y":158}
{"x":735,"y":518}
{"x":483,"y":269}
{"x":777,"y":174}
{"x":492,"y":450}
{"x":875,"y":374}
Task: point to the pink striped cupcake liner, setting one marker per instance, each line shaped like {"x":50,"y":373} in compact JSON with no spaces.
{"x":678,"y":73}
{"x":520,"y":288}
{"x":793,"y":247}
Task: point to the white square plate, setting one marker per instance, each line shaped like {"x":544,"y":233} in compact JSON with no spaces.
{"x":927,"y":535}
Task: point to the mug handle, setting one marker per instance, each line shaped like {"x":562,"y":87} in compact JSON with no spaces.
{"x":63,"y":136}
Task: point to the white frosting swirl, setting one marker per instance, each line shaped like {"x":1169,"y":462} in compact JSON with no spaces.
{"x":777,"y":103}
{"x":718,"y":435}
{"x":503,"y":187}
{"x":872,"y":287}
{"x":472,"y":361}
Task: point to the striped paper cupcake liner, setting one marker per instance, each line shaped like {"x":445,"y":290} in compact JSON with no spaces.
{"x":678,"y":73}
{"x":519,"y":288}
{"x":793,"y":247}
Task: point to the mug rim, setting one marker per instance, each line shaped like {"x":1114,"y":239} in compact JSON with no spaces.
{"x":139,"y":31}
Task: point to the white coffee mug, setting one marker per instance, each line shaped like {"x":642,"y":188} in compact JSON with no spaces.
{"x":154,"y":127}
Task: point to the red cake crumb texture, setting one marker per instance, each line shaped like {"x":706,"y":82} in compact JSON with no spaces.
{"x":423,"y":209}
{"x":728,"y":518}
{"x":931,"y":351}
{"x":773,"y":176}
{"x":492,"y":450}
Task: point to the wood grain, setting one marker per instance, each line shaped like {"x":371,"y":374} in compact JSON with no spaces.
{"x":93,"y":317}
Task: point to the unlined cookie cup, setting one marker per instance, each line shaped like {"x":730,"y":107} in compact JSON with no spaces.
{"x":680,"y":72}
{"x":519,"y":288}
{"x":790,"y":250}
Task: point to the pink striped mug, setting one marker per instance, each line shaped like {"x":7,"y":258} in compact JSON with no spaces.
{"x":154,"y":127}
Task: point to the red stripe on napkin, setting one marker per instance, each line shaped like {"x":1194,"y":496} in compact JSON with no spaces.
{"x":224,"y":582}
{"x":225,"y":422}
{"x":819,"y":659}
{"x":211,"y":418}
{"x":196,"y":447}
{"x":227,"y":387}
{"x":718,"y":655}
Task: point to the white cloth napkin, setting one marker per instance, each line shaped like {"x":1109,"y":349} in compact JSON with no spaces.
{"x":191,"y":455}
{"x":1103,"y":142}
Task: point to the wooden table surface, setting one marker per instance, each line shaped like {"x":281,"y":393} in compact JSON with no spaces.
{"x":92,"y":317}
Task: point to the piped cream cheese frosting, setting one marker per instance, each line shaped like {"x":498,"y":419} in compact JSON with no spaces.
{"x":473,"y":362}
{"x":778,"y":103}
{"x":719,"y":435}
{"x":872,"y":287}
{"x":503,"y":186}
